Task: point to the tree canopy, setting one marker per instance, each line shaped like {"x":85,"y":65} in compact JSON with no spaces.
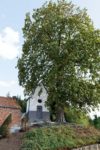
{"x":62,"y":50}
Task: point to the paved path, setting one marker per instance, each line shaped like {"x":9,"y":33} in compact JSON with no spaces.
{"x":11,"y":143}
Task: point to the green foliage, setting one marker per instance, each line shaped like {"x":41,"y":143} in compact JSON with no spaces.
{"x":4,"y":128}
{"x":22,"y":103}
{"x":57,"y":137}
{"x":78,"y":116}
{"x":62,"y":50}
{"x":96,"y":122}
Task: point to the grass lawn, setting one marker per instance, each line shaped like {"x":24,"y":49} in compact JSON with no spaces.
{"x":59,"y":137}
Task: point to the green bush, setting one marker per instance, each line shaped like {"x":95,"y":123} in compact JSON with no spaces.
{"x":73,"y":115}
{"x":95,"y":122}
{"x":4,"y":129}
{"x":56,"y":137}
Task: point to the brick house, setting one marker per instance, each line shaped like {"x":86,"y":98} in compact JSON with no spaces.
{"x":10,"y":106}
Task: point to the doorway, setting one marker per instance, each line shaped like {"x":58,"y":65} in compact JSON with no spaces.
{"x":39,"y":112}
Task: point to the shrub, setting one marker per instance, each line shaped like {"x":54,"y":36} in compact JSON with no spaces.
{"x":56,"y":137}
{"x":4,"y":129}
{"x":96,"y":122}
{"x":74,"y":115}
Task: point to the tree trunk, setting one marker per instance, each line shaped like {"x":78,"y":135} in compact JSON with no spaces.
{"x":60,"y":116}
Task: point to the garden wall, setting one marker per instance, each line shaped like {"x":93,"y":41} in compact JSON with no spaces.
{"x":90,"y":147}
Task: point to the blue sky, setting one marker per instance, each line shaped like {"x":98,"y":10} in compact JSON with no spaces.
{"x":12,"y":14}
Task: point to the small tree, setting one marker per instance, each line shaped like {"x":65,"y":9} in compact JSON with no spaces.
{"x":62,"y":50}
{"x":21,"y":102}
{"x":4,"y":128}
{"x":96,"y":122}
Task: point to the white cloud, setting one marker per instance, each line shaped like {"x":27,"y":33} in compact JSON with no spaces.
{"x":7,"y":83}
{"x":9,"y":43}
{"x":12,"y":87}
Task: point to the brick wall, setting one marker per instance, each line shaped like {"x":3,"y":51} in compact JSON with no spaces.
{"x":16,"y":115}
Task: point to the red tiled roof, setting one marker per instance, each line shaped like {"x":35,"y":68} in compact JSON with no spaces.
{"x":8,"y":102}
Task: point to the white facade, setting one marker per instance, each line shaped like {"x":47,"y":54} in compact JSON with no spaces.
{"x":32,"y":103}
{"x":36,"y":108}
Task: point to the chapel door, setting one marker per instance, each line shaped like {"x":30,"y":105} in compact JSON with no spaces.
{"x":39,"y":112}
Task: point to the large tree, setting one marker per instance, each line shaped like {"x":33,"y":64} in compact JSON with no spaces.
{"x":62,"y":50}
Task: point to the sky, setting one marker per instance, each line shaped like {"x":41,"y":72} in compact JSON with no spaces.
{"x":12,"y":15}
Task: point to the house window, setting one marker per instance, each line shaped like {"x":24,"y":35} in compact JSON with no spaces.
{"x":39,"y":100}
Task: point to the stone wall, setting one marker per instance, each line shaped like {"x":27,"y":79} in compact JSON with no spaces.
{"x":90,"y":147}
